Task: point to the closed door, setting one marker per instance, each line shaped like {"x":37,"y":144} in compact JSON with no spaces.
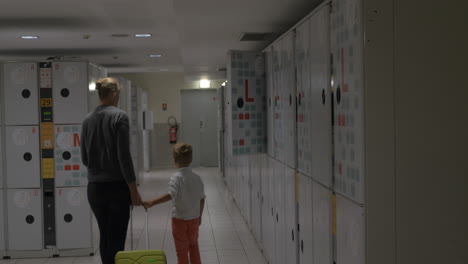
{"x":199,"y":125}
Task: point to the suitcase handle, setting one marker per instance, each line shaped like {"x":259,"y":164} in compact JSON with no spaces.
{"x":146,"y":228}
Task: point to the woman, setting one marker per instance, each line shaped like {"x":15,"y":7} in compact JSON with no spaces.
{"x":105,"y":151}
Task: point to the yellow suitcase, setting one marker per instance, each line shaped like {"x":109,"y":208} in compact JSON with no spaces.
{"x":140,"y":256}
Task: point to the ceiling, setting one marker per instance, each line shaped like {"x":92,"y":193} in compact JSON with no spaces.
{"x":193,"y":36}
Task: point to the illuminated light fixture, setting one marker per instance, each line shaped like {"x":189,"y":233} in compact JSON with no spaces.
{"x":155,"y":56}
{"x":224,"y":83}
{"x":143,"y":35}
{"x":204,"y":83}
{"x":92,"y":87}
{"x":29,"y":37}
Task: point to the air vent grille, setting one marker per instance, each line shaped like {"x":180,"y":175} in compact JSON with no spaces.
{"x":255,"y":36}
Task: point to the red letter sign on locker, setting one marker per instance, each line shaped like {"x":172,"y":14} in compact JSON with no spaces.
{"x":69,"y":171}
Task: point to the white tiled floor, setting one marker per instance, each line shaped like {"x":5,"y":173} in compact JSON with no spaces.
{"x":224,"y":236}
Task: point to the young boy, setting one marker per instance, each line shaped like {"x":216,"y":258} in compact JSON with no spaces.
{"x":187,"y":193}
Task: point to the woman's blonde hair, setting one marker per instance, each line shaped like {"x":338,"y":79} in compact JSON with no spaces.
{"x":182,"y":153}
{"x":106,"y":87}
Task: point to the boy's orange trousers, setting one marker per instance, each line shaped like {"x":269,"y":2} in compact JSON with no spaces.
{"x":185,"y":234}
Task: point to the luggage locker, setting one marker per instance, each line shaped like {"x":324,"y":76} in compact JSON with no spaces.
{"x":287,"y":96}
{"x":73,"y":218}
{"x":268,"y":237}
{"x":350,"y":233}
{"x":69,"y":170}
{"x":291,"y":237}
{"x":23,"y":159}
{"x":306,"y":255}
{"x":303,"y":95}
{"x":24,"y":219}
{"x":322,"y":224}
{"x":277,"y":103}
{"x":280,"y":213}
{"x":270,"y":104}
{"x":320,"y":103}
{"x":20,"y":93}
{"x":2,"y":223}
{"x":70,"y":92}
{"x":348,"y":86}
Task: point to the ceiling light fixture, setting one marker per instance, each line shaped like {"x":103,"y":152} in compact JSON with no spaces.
{"x":143,"y":35}
{"x":29,"y":37}
{"x":204,"y":83}
{"x":155,"y":56}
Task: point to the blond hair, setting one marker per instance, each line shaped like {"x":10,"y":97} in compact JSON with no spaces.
{"x":106,"y":87}
{"x":182,"y":154}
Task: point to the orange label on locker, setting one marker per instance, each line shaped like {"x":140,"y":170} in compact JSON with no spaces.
{"x":48,"y":168}
{"x":47,"y":135}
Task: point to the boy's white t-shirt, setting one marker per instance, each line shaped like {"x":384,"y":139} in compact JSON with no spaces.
{"x":186,"y":189}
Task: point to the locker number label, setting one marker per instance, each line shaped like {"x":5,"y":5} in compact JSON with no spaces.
{"x":46,"y":102}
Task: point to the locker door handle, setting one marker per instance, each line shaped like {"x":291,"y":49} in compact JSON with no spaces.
{"x":302,"y":246}
{"x":277,"y":217}
{"x":271,"y":211}
{"x":292,"y":234}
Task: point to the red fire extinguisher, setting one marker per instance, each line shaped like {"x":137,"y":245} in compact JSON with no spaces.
{"x":173,"y":129}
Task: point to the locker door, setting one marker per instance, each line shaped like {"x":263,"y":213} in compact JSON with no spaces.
{"x":23,"y":159}
{"x":255,"y":196}
{"x":270,"y":102}
{"x":24,"y":219}
{"x":302,"y":53}
{"x":280,"y":219}
{"x":290,"y":215}
{"x":21,"y":94}
{"x":268,"y":236}
{"x":350,"y":233}
{"x":247,"y":190}
{"x":320,"y":111}
{"x":70,"y":92}
{"x":287,"y":94}
{"x":277,"y":120}
{"x":305,"y":220}
{"x":322,"y":224}
{"x":347,"y":50}
{"x":69,"y":170}
{"x":73,"y":218}
{"x":2,"y":223}
{"x":273,"y":199}
{"x":1,"y":156}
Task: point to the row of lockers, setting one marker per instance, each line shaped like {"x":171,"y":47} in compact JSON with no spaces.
{"x":23,"y":159}
{"x":292,"y":215}
{"x":313,"y":83}
{"x":24,"y":221}
{"x":21,"y":85}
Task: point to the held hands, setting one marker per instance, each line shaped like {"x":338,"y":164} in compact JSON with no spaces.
{"x":148,"y":204}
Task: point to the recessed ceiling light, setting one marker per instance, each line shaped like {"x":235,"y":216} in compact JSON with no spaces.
{"x":29,"y":37}
{"x":143,"y":35}
{"x":155,"y":56}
